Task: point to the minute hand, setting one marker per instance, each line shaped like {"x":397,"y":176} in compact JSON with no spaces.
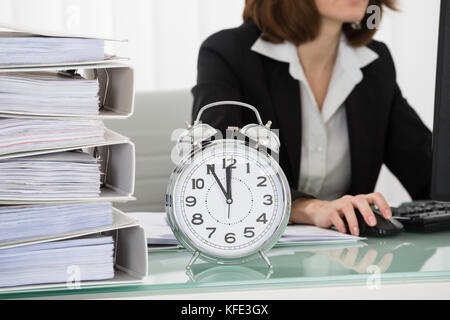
{"x":228,"y":178}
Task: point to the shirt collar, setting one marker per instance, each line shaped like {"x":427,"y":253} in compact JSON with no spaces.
{"x":352,"y":59}
{"x":346,"y":75}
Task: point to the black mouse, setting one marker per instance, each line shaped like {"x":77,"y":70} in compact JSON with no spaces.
{"x":383,"y":228}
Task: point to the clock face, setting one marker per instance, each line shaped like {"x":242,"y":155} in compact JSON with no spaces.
{"x":229,"y":201}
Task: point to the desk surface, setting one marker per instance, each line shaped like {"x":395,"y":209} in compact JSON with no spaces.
{"x":406,"y":258}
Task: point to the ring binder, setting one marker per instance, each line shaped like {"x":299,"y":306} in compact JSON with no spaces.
{"x":104,"y":169}
{"x":118,"y":162}
{"x":129,"y":259}
{"x":106,"y":87}
{"x":116,"y":239}
{"x":116,"y":91}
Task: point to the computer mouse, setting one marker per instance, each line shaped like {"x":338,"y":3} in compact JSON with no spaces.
{"x":383,"y":228}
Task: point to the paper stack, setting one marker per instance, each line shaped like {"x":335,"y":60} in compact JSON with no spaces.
{"x":307,"y":233}
{"x":38,"y":221}
{"x":89,"y":258}
{"x":18,"y":135}
{"x":21,"y":48}
{"x":61,"y":169}
{"x":158,"y":232}
{"x":57,"y":175}
{"x":48,"y":93}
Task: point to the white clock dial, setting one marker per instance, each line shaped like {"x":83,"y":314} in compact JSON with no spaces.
{"x":229,"y":201}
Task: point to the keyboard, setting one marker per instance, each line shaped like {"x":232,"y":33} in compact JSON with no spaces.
{"x":423,"y":216}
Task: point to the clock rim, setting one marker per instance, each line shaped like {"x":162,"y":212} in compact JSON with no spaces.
{"x":185,"y":240}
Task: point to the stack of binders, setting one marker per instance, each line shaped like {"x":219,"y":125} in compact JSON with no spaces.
{"x":61,"y":169}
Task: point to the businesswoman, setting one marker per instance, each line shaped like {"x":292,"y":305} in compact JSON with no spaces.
{"x":312,"y":68}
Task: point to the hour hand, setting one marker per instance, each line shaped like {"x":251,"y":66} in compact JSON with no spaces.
{"x":211,"y":169}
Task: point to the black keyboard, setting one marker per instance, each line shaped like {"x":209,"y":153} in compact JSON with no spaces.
{"x":424,"y":216}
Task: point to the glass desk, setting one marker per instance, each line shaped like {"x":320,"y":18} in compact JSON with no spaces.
{"x":406,"y":258}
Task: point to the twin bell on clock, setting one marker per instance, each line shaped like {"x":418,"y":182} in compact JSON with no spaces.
{"x":259,"y":135}
{"x":228,"y":200}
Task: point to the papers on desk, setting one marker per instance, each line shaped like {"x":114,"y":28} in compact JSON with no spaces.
{"x":21,"y":49}
{"x":36,"y":221}
{"x":50,"y":176}
{"x":307,"y":233}
{"x":18,"y":135}
{"x":158,"y":231}
{"x":48,"y":93}
{"x":66,"y":261}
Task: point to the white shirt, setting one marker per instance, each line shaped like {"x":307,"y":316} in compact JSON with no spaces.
{"x":325,"y":170}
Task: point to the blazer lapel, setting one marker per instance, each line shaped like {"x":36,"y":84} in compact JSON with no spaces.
{"x":286,"y":101}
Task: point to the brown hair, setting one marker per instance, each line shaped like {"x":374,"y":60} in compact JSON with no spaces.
{"x":298,"y":21}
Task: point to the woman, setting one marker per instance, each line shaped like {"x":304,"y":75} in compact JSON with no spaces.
{"x":312,"y":68}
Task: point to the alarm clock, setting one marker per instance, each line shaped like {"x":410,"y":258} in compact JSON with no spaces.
{"x":228,"y":200}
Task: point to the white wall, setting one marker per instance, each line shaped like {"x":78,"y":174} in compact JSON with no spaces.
{"x":164,"y":37}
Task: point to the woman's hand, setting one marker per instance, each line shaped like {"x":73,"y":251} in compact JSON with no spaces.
{"x":325,"y":214}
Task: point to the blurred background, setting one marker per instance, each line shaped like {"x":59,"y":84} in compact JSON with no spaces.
{"x":163,"y":41}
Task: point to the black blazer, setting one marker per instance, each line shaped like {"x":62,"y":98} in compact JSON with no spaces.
{"x":382,"y":127}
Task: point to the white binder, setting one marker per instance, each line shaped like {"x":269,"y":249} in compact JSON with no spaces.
{"x":116,"y":94}
{"x":111,"y":137}
{"x":49,"y":33}
{"x":118,"y":166}
{"x":120,"y":220}
{"x":130,"y":256}
{"x":18,"y":31}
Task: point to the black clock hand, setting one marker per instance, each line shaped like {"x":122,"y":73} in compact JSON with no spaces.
{"x":228,"y":178}
{"x":218,"y":182}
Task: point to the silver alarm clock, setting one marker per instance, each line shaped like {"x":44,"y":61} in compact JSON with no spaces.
{"x":228,"y":200}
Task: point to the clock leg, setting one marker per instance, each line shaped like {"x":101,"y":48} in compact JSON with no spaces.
{"x":269,"y":273}
{"x":266,"y":259}
{"x":193,"y":259}
{"x":190,"y":275}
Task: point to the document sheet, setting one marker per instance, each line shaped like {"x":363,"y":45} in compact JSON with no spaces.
{"x":56,"y":175}
{"x":66,"y":261}
{"x":307,"y":233}
{"x":17,"y":49}
{"x":48,"y":93}
{"x":18,"y":135}
{"x":25,"y":222}
{"x":158,"y":231}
